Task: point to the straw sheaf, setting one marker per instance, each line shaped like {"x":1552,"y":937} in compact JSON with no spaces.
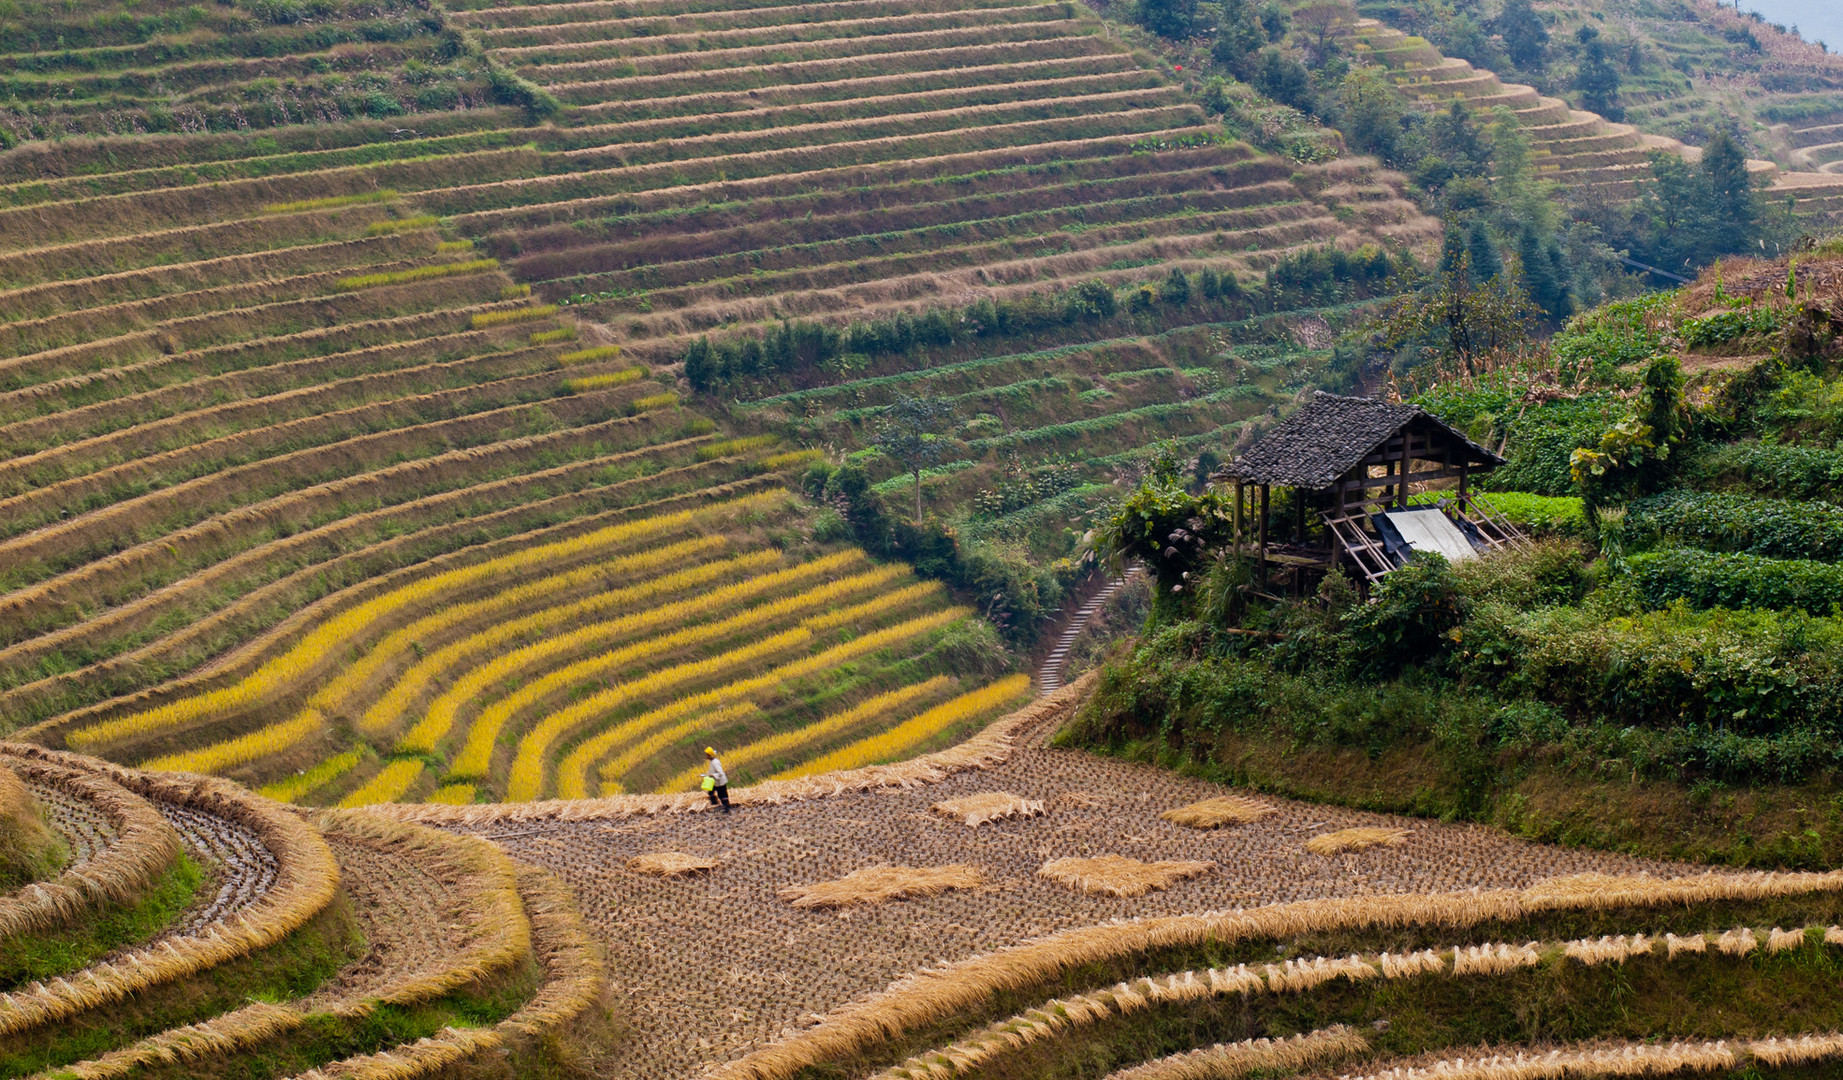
{"x":1640,"y":1059}
{"x":1609,"y":950}
{"x":1358,"y":839}
{"x":574,"y":979}
{"x":1226,"y":1060}
{"x":1116,"y":875}
{"x":142,"y":848}
{"x":992,"y":746}
{"x":976,"y":810}
{"x":1217,"y":812}
{"x":1494,"y":959}
{"x":876,"y":884}
{"x":306,"y":882}
{"x":933,"y":995}
{"x":670,"y":864}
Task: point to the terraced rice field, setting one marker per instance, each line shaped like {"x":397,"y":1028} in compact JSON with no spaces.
{"x":1572,"y":147}
{"x":306,"y":477}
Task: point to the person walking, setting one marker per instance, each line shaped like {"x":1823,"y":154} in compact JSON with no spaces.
{"x":716,"y":781}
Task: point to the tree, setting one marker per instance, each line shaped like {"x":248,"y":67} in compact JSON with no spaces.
{"x":1460,"y":321}
{"x":1481,"y":253}
{"x":1455,"y":138}
{"x":1274,"y":20}
{"x":1543,"y":273}
{"x":1176,"y":288}
{"x":1175,"y":19}
{"x":1321,"y":19}
{"x":1285,"y":80}
{"x":1597,"y":79}
{"x":1238,"y":38}
{"x":1731,"y":207}
{"x":908,"y":431}
{"x":1525,"y":38}
{"x":1372,"y":112}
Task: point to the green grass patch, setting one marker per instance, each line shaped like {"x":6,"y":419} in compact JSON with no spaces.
{"x":419,"y":273}
{"x":40,"y":956}
{"x":330,"y":202}
{"x":603,"y":382}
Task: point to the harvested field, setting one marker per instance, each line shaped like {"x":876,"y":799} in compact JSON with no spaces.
{"x":785,"y":963}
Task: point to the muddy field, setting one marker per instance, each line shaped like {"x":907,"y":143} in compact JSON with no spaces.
{"x":709,"y":966}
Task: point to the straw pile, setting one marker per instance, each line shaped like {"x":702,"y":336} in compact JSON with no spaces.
{"x":1608,"y":950}
{"x":1737,"y":942}
{"x":1226,"y":1060}
{"x":988,"y":806}
{"x":1218,"y":812}
{"x":875,"y":884}
{"x":1116,"y":875}
{"x":1360,"y":839}
{"x":670,"y":864}
{"x":1494,"y":959}
{"x":1781,"y":940}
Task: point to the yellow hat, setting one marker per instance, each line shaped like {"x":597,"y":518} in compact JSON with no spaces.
{"x":708,"y":752}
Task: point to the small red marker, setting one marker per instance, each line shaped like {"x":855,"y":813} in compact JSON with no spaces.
{"x":1180,"y":67}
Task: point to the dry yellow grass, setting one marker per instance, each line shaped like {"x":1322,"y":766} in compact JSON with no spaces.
{"x":1116,"y":875}
{"x":29,"y":850}
{"x":988,"y":806}
{"x":1361,"y":839}
{"x":876,"y":884}
{"x":671,"y":864}
{"x":1227,"y":1060}
{"x":1217,"y":812}
{"x":1633,"y":1059}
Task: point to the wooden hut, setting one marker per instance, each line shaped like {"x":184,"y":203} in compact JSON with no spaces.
{"x":1355,"y":466}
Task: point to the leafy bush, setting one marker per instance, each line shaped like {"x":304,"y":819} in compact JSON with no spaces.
{"x":1411,"y":618}
{"x":1735,"y":522}
{"x":1728,"y":326}
{"x":1709,"y":580}
{"x":1755,"y":672}
{"x":1613,"y":335}
{"x":1547,"y":572}
{"x":1794,"y":472}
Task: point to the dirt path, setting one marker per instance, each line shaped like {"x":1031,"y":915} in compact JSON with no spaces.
{"x":708,"y":968}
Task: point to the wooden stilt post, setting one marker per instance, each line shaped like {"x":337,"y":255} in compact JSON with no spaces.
{"x":1263,"y":525}
{"x":1238,"y":501}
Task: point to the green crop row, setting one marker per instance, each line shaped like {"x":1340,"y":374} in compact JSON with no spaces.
{"x":1706,"y":579}
{"x":1750,"y":524}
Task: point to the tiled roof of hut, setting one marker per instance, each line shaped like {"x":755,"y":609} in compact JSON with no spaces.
{"x":1326,"y":437}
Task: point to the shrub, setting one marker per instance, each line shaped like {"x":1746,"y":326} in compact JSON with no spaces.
{"x":1548,"y":572}
{"x":1727,"y":521}
{"x":1412,"y":617}
{"x":1709,"y":580}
